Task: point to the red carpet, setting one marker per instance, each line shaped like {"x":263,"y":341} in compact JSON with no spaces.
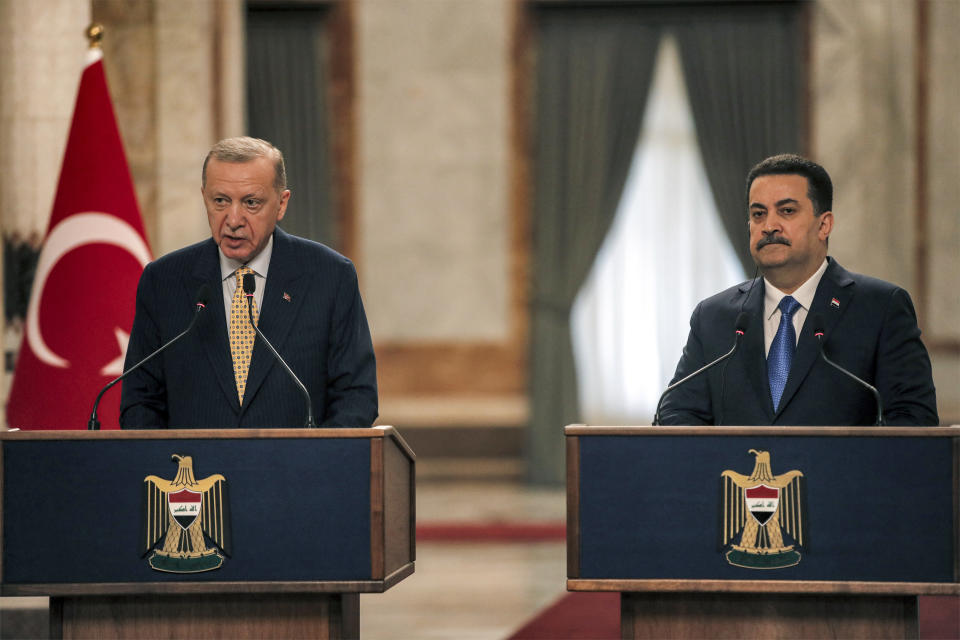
{"x":938,"y":617}
{"x":492,"y":532}
{"x":596,"y":616}
{"x":575,"y":616}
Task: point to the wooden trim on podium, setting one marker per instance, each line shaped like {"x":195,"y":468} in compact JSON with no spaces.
{"x":322,"y":616}
{"x":767,"y":615}
{"x":377,"y":533}
{"x":768,"y":586}
{"x":207,"y":434}
{"x":397,"y":576}
{"x":901,"y":432}
{"x":956,"y":510}
{"x":2,"y":476}
{"x":170,"y":588}
{"x":573,"y":507}
{"x":413,"y":510}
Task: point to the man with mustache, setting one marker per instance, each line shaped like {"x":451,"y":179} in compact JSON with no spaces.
{"x":306,"y":302}
{"x":776,"y":377}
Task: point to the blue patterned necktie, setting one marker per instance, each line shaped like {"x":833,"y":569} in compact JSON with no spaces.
{"x":781,"y":350}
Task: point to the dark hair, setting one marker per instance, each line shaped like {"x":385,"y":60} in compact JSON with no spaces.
{"x":819,"y":189}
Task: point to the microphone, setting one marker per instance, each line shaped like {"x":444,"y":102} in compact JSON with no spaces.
{"x":249,"y":286}
{"x":818,"y":332}
{"x":740,"y":328}
{"x":203,"y":295}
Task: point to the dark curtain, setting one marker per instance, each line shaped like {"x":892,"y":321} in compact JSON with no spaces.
{"x":287,"y":105}
{"x":745,"y":79}
{"x":594,"y":70}
{"x":744,"y":72}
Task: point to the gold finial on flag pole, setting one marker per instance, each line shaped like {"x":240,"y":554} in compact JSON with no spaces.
{"x":95,"y":34}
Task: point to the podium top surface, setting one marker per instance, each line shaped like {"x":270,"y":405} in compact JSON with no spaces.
{"x":599,"y":430}
{"x":385,"y":431}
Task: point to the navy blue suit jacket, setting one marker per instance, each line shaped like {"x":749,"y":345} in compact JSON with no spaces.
{"x":870,"y":330}
{"x":311,"y":313}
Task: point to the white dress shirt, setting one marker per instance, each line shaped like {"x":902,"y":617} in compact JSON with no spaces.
{"x":228,"y":270}
{"x":771,"y":309}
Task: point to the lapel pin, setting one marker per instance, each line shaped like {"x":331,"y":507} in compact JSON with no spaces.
{"x":835,"y":303}
{"x":286,"y":297}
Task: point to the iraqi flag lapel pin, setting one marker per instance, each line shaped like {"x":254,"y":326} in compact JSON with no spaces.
{"x":834,"y":303}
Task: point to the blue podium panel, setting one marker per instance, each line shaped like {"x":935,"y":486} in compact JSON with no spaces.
{"x":297,"y":509}
{"x":873,"y":508}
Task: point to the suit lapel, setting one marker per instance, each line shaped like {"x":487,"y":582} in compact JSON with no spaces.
{"x":285,"y":292}
{"x":834,"y":286}
{"x":213,"y":331}
{"x":753,"y":351}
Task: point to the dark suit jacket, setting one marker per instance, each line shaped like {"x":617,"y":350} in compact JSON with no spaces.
{"x":871,"y":331}
{"x":311,"y":313}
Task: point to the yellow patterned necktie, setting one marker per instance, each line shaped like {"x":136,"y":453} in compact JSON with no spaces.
{"x":241,"y":333}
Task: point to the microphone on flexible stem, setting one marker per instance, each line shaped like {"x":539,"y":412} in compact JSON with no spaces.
{"x":203,"y":294}
{"x":740,"y":328}
{"x":249,"y":286}
{"x":818,"y":332}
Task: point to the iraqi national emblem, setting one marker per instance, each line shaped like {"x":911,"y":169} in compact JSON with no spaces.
{"x":183,"y":511}
{"x":762,"y":508}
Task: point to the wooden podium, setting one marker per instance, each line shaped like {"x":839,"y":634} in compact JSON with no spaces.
{"x":295,"y":523}
{"x":750,"y":532}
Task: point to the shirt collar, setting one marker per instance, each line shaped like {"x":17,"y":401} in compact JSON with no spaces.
{"x":804,"y":293}
{"x":259,"y":264}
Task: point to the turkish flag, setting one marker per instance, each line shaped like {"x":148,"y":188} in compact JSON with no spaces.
{"x":82,"y":302}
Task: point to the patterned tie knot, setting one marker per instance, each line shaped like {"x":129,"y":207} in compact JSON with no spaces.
{"x":788,"y":305}
{"x":242,"y":271}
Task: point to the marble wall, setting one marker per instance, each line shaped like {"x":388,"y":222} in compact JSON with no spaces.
{"x":42,"y":50}
{"x":868,"y":132}
{"x":176,"y":72}
{"x":433,"y":79}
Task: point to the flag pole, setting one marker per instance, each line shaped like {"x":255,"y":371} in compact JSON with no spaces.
{"x":95,"y":34}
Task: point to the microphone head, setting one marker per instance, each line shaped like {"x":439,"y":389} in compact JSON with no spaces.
{"x":743,"y":321}
{"x":249,"y":283}
{"x":816,"y":321}
{"x":203,"y":295}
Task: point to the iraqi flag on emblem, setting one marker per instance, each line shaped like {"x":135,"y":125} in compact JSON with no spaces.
{"x":185,"y":506}
{"x":82,"y":301}
{"x":762,"y":502}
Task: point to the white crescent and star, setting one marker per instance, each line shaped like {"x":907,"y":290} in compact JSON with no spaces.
{"x":74,"y":232}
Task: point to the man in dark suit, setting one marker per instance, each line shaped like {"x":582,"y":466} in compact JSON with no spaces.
{"x":776,"y":377}
{"x":307,"y":303}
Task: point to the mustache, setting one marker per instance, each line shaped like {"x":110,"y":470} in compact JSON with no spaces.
{"x":771,"y":239}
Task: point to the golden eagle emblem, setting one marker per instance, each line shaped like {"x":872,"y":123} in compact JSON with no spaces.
{"x":184,"y":510}
{"x":763,"y":507}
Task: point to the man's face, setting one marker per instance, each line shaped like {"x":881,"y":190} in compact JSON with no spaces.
{"x":242,"y":206}
{"x":785,"y":234}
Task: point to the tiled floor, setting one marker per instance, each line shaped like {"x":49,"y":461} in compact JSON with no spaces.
{"x":480,"y":590}
{"x":466,"y":591}
{"x":460,"y":590}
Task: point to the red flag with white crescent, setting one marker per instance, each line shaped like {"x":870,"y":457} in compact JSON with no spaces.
{"x":82,"y":302}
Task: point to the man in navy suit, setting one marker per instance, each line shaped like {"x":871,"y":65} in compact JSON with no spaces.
{"x":308,"y":304}
{"x":777,"y":377}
